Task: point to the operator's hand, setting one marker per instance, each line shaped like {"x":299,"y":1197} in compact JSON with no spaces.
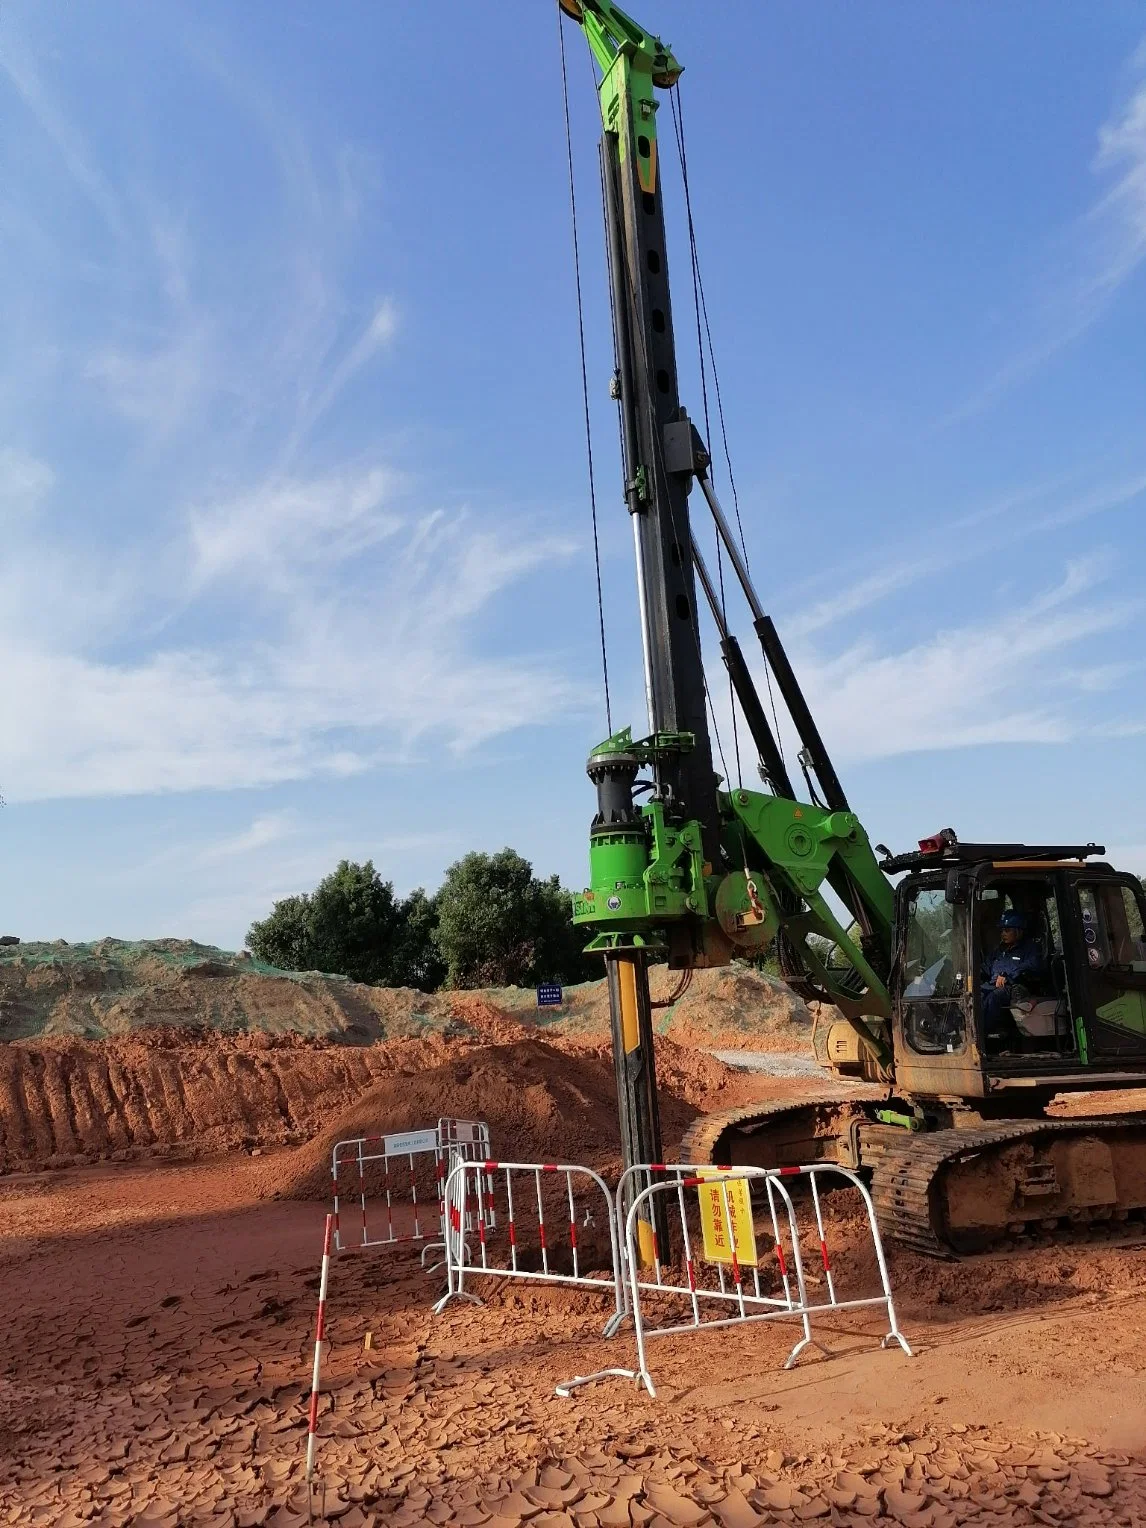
{"x":1000,"y":981}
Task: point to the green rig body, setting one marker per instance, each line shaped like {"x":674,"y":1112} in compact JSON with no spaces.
{"x":652,"y":889}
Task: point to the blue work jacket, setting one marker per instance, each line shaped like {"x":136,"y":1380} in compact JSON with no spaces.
{"x":1022,"y":963}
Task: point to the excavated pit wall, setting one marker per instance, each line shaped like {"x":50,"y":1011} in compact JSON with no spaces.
{"x":169,"y":1047}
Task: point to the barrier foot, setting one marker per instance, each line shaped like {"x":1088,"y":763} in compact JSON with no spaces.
{"x":805,"y":1342}
{"x":614,"y":1323}
{"x":454,"y":1294}
{"x":897,"y":1336}
{"x":639,"y":1376}
{"x":315,"y":1498}
{"x":439,"y":1247}
{"x":431,"y":1247}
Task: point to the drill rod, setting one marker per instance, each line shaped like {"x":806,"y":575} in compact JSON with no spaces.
{"x":631,"y":1015}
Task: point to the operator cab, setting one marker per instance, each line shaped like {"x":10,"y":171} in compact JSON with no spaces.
{"x":1060,"y":997}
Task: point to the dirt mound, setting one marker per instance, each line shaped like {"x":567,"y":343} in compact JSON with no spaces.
{"x":92,"y":991}
{"x":118,"y":1049}
{"x":113,"y":987}
{"x":683,"y":1072}
{"x":541,"y":1104}
{"x":164,"y":1091}
{"x":732,"y":1008}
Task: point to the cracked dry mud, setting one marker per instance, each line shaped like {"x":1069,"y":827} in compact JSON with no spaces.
{"x":157,"y":1360}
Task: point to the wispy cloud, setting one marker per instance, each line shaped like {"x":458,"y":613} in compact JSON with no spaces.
{"x":230,"y":604}
{"x":24,"y":484}
{"x":269,"y":828}
{"x":998,"y":680}
{"x":16,"y":62}
{"x":1094,"y":259}
{"x":952,"y":541}
{"x":284,"y":530}
{"x":376,"y":337}
{"x":334,"y":675}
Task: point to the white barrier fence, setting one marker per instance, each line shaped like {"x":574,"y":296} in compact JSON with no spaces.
{"x":720,"y":1276}
{"x":397,"y":1184}
{"x":540,"y":1212}
{"x":559,"y":1224}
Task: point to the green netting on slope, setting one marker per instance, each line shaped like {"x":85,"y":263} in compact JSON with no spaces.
{"x":178,"y":954}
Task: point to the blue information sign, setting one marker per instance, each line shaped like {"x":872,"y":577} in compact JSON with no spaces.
{"x":549,"y":995}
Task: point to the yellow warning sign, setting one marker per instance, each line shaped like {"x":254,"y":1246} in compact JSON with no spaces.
{"x":726,"y":1207}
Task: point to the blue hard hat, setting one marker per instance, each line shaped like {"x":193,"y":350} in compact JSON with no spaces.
{"x":1013,"y":920}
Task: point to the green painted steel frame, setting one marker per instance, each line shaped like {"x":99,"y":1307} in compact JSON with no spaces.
{"x":632,"y":62}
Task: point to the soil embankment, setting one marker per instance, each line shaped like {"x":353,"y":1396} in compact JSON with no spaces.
{"x":173,"y":1048}
{"x":112,"y":987}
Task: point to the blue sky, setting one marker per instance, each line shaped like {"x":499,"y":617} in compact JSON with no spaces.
{"x":295,"y":559}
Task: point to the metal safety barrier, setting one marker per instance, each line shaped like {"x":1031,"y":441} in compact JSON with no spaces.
{"x":397,"y":1184}
{"x":319,"y":1339}
{"x":535,"y":1231}
{"x":719,"y":1273}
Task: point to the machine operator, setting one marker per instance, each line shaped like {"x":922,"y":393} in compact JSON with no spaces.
{"x":1017,"y":962}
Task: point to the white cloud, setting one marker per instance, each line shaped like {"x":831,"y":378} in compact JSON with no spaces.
{"x":16,"y":61}
{"x":280,"y":531}
{"x":24,"y":484}
{"x":993,"y":680}
{"x":377,"y":336}
{"x":1121,"y":213}
{"x":1011,"y":518}
{"x":1093,"y":260}
{"x":334,"y":675}
{"x":269,"y":828}
{"x":160,"y":386}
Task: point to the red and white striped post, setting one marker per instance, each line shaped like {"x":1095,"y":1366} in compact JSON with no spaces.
{"x":319,"y":1334}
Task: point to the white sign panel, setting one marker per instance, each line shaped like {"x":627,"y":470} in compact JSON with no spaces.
{"x":411,"y":1141}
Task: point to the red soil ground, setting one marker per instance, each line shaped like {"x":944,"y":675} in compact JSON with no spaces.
{"x":160,"y":1322}
{"x":160,"y":1296}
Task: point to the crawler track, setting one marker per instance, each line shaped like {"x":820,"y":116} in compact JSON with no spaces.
{"x":909,"y":1173}
{"x":714,"y":1138}
{"x":912,"y":1174}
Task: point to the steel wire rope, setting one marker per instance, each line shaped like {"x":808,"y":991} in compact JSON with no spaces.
{"x":584,"y":376}
{"x":678,"y":134}
{"x":676,"y":103}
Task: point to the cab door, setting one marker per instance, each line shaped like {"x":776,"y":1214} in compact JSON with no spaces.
{"x":933,"y":994}
{"x":1110,"y":914}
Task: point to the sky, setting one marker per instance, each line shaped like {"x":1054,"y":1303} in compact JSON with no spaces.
{"x":296,"y":561}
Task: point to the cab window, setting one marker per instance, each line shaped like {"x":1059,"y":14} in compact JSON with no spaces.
{"x":1112,"y":932}
{"x":1037,"y":1018}
{"x":1112,"y":927}
{"x":934,"y":972}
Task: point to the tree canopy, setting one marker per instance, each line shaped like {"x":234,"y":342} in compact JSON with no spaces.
{"x":493,"y":923}
{"x":499,"y":925}
{"x":353,"y":925}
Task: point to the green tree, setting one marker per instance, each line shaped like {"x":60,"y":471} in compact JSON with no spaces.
{"x":417,"y":960}
{"x":283,"y":938}
{"x":500,"y":926}
{"x":352,"y":925}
